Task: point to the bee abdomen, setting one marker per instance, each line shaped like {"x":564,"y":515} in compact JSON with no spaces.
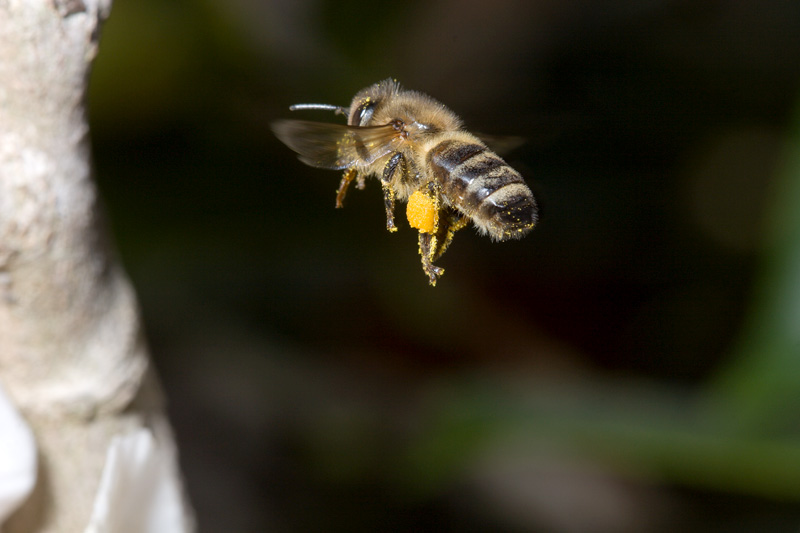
{"x":481,"y":185}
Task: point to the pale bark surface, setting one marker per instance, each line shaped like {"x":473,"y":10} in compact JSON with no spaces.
{"x":72,"y":356}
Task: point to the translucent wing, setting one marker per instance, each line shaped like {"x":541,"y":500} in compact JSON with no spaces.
{"x":502,"y":145}
{"x":336,"y":146}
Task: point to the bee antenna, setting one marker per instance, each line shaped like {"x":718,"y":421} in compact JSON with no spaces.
{"x":339,"y":110}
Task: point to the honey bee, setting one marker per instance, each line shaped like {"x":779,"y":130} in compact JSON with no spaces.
{"x":421,"y":154}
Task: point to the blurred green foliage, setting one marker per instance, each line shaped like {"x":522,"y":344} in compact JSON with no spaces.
{"x":758,"y":393}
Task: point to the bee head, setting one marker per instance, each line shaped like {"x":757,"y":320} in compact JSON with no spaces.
{"x":368,"y":100}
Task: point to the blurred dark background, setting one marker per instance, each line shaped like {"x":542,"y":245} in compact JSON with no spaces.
{"x":631,"y":365}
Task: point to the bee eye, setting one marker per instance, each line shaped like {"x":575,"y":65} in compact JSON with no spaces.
{"x":364,"y":112}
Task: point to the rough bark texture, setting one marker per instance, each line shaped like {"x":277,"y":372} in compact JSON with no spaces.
{"x":71,"y":350}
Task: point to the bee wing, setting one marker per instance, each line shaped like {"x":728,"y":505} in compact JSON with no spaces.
{"x":502,"y":145}
{"x":336,"y":146}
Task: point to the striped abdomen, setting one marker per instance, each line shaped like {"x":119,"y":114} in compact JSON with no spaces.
{"x":482,"y":186}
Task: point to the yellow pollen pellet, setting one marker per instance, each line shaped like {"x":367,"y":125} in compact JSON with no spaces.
{"x":421,"y":212}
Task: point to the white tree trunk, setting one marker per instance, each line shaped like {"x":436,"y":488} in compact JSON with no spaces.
{"x":72,"y":356}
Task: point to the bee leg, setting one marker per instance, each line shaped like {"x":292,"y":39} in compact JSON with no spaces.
{"x":347,"y":179}
{"x":450,"y":221}
{"x":388,"y":202}
{"x":427,"y":247}
{"x":433,"y":245}
{"x":388,"y":191}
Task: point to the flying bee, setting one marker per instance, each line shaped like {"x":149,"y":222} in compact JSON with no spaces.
{"x":421,"y":154}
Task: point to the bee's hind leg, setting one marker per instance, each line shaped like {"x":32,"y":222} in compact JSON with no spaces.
{"x":433,"y":245}
{"x":388,"y":191}
{"x":450,"y":221}
{"x":427,"y":248}
{"x":347,"y":179}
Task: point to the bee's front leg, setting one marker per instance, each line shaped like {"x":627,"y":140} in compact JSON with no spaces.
{"x":427,"y":247}
{"x":388,"y":191}
{"x":347,"y":179}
